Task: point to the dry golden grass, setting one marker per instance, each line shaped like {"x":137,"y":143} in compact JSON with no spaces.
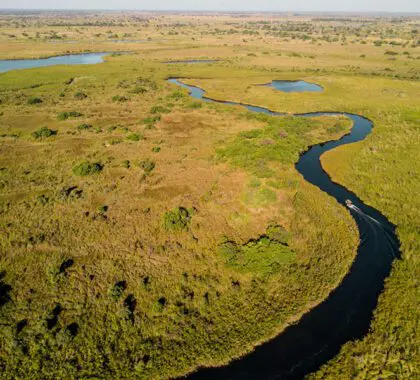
{"x":207,"y":318}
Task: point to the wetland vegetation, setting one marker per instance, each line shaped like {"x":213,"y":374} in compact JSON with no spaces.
{"x":144,"y":234}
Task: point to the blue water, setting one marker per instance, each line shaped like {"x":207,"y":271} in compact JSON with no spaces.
{"x":294,"y":86}
{"x":72,"y":59}
{"x":346,"y":314}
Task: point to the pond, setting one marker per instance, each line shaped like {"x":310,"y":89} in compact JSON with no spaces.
{"x":71,"y":59}
{"x":294,"y":86}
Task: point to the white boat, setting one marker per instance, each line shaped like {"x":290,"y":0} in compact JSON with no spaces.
{"x":349,"y":203}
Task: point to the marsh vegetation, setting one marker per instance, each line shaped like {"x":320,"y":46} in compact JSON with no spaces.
{"x":145,"y":234}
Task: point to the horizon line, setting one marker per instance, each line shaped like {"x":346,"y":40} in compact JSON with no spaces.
{"x":207,"y":11}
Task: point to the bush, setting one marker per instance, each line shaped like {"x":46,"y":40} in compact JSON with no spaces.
{"x":151,"y":120}
{"x":263,"y":256}
{"x":118,"y":289}
{"x":119,"y":98}
{"x":87,"y":168}
{"x":177,"y":219}
{"x":147,"y":166}
{"x":66,"y":115}
{"x":135,"y":137}
{"x":103,"y":209}
{"x":177,"y":95}
{"x":80,"y":95}
{"x":126,"y":164}
{"x":156,"y":149}
{"x":84,"y":126}
{"x":43,"y":132}
{"x":34,"y":100}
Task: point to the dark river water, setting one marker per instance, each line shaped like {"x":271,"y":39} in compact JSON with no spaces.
{"x":347,"y":312}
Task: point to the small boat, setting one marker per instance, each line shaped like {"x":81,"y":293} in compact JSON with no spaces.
{"x":349,"y":203}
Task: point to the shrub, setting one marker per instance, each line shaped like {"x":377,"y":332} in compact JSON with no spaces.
{"x":84,"y":126}
{"x":119,"y":98}
{"x":87,"y":168}
{"x":126,"y":164}
{"x":80,"y":95}
{"x":43,"y":132}
{"x":263,"y":256}
{"x":156,"y":149}
{"x":151,"y":120}
{"x":103,"y":209}
{"x":135,"y":137}
{"x":147,"y":165}
{"x":34,"y":100}
{"x":118,"y":289}
{"x":68,"y":114}
{"x":176,"y":95}
{"x":177,"y":219}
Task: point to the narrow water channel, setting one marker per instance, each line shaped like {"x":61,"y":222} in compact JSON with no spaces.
{"x":347,"y":312}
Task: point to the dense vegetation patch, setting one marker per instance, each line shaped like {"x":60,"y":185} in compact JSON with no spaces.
{"x":177,"y":219}
{"x":43,"y":132}
{"x":86,"y":168}
{"x":262,"y":256}
{"x":68,"y":114}
{"x":135,"y":137}
{"x":280,"y":141}
{"x":80,"y":95}
{"x":34,"y":100}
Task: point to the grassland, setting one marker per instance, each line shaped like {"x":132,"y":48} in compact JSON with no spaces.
{"x":144,"y":233}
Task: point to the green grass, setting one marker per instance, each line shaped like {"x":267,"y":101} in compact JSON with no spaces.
{"x":263,"y":256}
{"x":280,"y":141}
{"x":177,"y":219}
{"x":184,"y":303}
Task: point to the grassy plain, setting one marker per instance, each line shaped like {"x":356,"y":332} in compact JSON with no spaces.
{"x":138,"y":235}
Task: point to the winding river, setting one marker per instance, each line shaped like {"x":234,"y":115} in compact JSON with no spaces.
{"x":346,"y":314}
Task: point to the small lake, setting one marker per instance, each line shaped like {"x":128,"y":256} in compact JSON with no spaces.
{"x":294,"y":86}
{"x":71,"y":59}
